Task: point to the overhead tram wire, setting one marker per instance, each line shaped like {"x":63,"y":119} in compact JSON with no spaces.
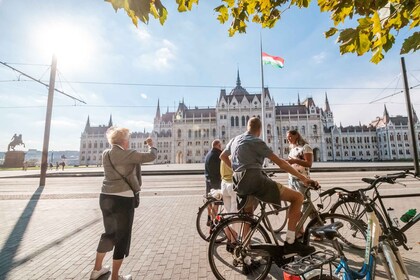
{"x":217,"y":86}
{"x":42,"y":83}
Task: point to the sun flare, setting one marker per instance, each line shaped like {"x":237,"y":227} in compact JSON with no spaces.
{"x":69,"y":42}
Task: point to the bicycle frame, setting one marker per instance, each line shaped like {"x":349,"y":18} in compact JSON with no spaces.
{"x":372,"y":241}
{"x":377,"y":244}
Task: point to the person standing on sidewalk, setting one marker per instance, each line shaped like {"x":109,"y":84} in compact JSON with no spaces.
{"x":300,"y":158}
{"x":117,"y":199}
{"x":212,"y":174}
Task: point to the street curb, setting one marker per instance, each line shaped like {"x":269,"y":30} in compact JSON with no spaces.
{"x":201,"y":172}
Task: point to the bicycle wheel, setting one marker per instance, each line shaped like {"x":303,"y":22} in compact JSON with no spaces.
{"x":203,"y":228}
{"x":231,"y":259}
{"x":352,"y":236}
{"x":278,"y":220}
{"x":351,"y":208}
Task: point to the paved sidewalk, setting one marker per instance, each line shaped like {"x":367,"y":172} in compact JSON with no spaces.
{"x":54,"y":233}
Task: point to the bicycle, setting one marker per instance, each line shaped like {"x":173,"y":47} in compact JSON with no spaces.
{"x":248,"y":251}
{"x":351,"y":204}
{"x":278,"y":218}
{"x":379,"y":243}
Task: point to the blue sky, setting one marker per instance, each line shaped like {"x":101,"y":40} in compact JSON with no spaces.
{"x":190,"y":49}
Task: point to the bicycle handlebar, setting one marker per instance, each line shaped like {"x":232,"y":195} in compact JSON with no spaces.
{"x":389,"y":178}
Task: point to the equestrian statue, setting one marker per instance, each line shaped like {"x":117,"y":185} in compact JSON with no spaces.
{"x":16,"y":140}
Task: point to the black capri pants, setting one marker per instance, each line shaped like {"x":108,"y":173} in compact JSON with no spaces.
{"x":118,"y":214}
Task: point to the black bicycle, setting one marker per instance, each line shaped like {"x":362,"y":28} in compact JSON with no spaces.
{"x":249,"y":245}
{"x":206,"y":221}
{"x":351,"y":204}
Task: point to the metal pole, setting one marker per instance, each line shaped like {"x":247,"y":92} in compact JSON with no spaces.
{"x":262,"y":93}
{"x":44,"y":160}
{"x":410,"y":119}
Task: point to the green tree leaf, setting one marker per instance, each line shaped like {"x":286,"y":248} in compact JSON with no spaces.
{"x":373,"y":31}
{"x":411,"y":44}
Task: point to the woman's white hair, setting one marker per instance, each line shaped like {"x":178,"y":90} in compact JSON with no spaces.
{"x":116,"y":135}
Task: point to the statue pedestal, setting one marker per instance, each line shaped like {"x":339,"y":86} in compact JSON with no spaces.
{"x":14,"y":159}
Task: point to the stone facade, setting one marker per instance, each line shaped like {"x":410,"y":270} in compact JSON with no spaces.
{"x":185,"y":135}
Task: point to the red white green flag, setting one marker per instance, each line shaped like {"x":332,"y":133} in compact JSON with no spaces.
{"x":276,"y":61}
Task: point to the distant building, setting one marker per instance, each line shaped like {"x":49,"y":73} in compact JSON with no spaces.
{"x":185,"y":135}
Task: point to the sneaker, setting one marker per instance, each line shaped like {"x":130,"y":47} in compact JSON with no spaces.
{"x":249,"y":268}
{"x":208,"y":220}
{"x":299,"y":248}
{"x":230,"y":247}
{"x":98,"y":273}
{"x":125,"y":277}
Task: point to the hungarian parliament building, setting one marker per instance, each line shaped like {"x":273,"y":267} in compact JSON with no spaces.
{"x":185,"y":136}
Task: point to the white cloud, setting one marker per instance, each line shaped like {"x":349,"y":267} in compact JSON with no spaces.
{"x":160,"y":60}
{"x":141,"y":33}
{"x":319,"y":58}
{"x":138,"y":125}
{"x":143,"y":95}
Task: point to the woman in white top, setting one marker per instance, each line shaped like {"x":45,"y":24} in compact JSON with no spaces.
{"x":300,"y":158}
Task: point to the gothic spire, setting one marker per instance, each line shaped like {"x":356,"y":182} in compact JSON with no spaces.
{"x":238,"y":79}
{"x":87,"y":126}
{"x":415,"y":118}
{"x":386,"y":115}
{"x":158,"y":110}
{"x":298,"y":99}
{"x":110,"y":121}
{"x":327,"y":104}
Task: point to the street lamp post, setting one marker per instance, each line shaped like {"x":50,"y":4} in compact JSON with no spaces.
{"x":51,"y":88}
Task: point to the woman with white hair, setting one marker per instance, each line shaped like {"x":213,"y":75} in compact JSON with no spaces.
{"x":118,"y":199}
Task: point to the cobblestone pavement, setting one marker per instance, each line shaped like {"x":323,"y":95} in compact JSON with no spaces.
{"x":52,"y":232}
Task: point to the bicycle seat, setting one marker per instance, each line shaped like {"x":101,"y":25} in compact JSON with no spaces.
{"x":368,"y":180}
{"x":327,"y":231}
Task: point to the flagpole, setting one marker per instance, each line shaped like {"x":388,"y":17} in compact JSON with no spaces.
{"x":262,"y":93}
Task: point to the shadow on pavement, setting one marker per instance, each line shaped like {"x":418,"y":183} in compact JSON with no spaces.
{"x":55,"y":242}
{"x":12,"y":243}
{"x":413,"y":267}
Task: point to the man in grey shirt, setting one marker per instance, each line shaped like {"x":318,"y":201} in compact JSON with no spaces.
{"x":248,"y":152}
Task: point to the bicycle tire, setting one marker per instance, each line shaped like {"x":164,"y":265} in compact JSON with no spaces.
{"x":350,"y":207}
{"x":201,"y":220}
{"x":230,"y":265}
{"x":356,"y":210}
{"x":279,"y":220}
{"x":352,"y":237}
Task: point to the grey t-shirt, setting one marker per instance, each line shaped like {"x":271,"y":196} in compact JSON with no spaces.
{"x":247,"y":151}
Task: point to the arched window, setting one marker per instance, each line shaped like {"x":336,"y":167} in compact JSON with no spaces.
{"x":101,"y":145}
{"x":90,"y":145}
{"x":243,"y":121}
{"x":179,"y":133}
{"x":391,"y":137}
{"x":232,"y":121}
{"x":189,"y":133}
{"x":214,"y":132}
{"x":247,"y":119}
{"x":95,"y":144}
{"x":398,"y":137}
{"x":223,"y":131}
{"x":237,"y":121}
{"x":405,"y":136}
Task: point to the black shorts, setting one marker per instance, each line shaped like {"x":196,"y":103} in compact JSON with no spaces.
{"x":255,"y":182}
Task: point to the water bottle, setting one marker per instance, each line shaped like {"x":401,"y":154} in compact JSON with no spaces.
{"x":408,"y":215}
{"x":394,"y":219}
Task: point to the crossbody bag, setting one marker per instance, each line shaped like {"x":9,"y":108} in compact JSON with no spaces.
{"x":136,"y":194}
